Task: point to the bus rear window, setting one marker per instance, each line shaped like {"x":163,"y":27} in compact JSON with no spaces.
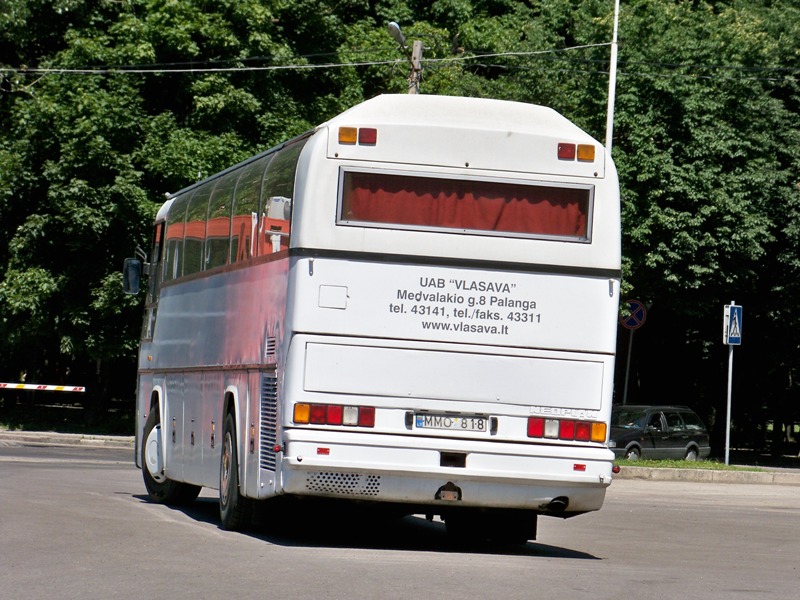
{"x":475,"y":206}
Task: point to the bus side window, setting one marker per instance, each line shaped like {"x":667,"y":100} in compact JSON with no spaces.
{"x":172,"y":267}
{"x":245,"y":210}
{"x":277,"y":193}
{"x":195,"y":230}
{"x":156,"y":262}
{"x":275,"y":223}
{"x":218,"y":226}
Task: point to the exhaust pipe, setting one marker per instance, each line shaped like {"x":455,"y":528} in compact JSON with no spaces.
{"x":558,"y":505}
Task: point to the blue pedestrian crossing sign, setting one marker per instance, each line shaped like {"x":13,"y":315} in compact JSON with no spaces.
{"x":732,"y":325}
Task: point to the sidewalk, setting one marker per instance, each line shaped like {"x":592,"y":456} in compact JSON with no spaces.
{"x":44,"y":438}
{"x":765,"y":476}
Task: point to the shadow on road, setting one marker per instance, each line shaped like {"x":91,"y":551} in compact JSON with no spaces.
{"x":316,"y":524}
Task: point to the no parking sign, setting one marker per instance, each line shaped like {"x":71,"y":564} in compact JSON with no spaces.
{"x":637,"y":316}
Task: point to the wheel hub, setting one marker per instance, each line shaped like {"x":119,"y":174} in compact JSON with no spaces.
{"x":153,"y":459}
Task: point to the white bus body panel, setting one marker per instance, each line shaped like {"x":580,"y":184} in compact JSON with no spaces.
{"x":406,"y":321}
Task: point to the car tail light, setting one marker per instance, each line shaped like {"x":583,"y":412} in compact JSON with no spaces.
{"x":566,"y":429}
{"x":334,"y":414}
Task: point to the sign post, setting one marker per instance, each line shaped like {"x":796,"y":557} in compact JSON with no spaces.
{"x":732,"y":336}
{"x":636,"y":318}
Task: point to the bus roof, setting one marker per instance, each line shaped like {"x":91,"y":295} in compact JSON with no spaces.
{"x":461,"y":112}
{"x":471,"y":133}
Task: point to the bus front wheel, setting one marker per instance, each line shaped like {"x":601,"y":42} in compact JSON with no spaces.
{"x":234,"y":509}
{"x":160,"y":488}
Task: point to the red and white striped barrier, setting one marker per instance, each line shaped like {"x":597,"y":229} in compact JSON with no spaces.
{"x":41,"y":388}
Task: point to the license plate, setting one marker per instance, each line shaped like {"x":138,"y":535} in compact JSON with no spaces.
{"x":452,"y":422}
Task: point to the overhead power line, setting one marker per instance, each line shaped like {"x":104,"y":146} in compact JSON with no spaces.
{"x":551,"y":55}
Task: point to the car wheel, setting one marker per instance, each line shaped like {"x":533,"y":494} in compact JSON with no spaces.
{"x":633,"y":453}
{"x":691,"y":454}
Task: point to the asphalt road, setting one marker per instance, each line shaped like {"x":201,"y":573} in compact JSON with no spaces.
{"x":75,"y":523}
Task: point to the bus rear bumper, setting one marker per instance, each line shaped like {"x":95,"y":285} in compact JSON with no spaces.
{"x":442,"y":474}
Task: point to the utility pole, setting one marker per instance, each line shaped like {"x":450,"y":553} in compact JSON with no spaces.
{"x":416,"y":67}
{"x":415,"y":59}
{"x":612,"y":81}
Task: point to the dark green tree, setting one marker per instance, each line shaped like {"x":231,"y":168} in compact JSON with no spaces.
{"x":106,"y":105}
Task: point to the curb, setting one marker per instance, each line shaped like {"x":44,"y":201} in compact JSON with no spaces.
{"x":710,"y":476}
{"x":766,"y":477}
{"x":49,"y":438}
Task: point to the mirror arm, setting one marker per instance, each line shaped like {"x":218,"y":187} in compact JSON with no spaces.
{"x":141,"y":254}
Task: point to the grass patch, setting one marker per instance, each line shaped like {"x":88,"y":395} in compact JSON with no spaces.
{"x":705,"y":465}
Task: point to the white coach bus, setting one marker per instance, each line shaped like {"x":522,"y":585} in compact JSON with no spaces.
{"x":412,"y":305}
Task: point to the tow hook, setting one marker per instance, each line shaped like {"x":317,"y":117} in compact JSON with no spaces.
{"x":449,"y":492}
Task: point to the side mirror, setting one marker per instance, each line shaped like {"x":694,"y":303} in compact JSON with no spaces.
{"x":131,"y":275}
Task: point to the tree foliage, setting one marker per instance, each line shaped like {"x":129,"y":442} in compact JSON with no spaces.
{"x":107,"y":104}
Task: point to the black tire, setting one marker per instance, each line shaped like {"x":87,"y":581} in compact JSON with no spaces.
{"x":161,"y":489}
{"x":633,"y":453}
{"x":691,"y":454}
{"x":235,"y":511}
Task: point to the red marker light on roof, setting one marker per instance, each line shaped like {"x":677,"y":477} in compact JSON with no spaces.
{"x":367,"y":136}
{"x":566,"y":151}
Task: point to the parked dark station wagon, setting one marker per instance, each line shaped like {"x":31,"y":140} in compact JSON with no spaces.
{"x":658,"y":432}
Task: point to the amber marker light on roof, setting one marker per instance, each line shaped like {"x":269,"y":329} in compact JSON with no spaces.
{"x":586,"y":152}
{"x":348,"y":135}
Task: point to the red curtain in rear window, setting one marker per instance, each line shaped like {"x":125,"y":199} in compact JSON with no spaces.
{"x":465,"y":204}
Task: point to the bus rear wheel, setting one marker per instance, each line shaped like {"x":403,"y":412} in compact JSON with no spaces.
{"x":160,"y":488}
{"x":234,"y":509}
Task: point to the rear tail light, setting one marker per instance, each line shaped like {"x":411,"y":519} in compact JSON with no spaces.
{"x":566,"y":429}
{"x":536,"y":427}
{"x":583,"y":431}
{"x":366,"y":416}
{"x":334,"y":414}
